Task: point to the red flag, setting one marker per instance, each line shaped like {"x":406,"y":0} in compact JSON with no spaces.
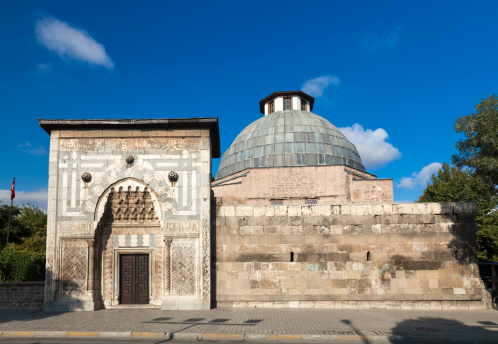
{"x":13,"y":189}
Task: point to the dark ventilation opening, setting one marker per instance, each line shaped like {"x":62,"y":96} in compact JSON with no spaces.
{"x":368,"y":256}
{"x":292,"y":257}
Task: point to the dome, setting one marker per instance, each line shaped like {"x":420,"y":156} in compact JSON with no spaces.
{"x":289,"y":138}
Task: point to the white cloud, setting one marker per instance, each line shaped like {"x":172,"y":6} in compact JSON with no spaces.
{"x":70,"y":42}
{"x":373,"y":43}
{"x":38,"y":198}
{"x":43,"y":68}
{"x":420,"y":178}
{"x":315,"y":87}
{"x":372,"y":146}
{"x":28,"y":148}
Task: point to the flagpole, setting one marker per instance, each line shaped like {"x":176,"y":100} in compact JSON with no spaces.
{"x":12,"y":195}
{"x":10,"y":216}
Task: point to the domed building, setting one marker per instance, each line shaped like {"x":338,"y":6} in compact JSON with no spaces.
{"x":132,"y":222}
{"x":293,"y":156}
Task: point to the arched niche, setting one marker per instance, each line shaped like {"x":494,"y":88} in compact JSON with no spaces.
{"x":128,"y":219}
{"x":126,"y":184}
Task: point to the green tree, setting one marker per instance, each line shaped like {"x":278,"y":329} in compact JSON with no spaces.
{"x":28,"y":228}
{"x":452,"y":184}
{"x":479,"y":150}
{"x":4,"y":224}
{"x":32,"y":222}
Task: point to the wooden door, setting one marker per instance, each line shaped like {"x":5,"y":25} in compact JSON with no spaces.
{"x":134,"y":275}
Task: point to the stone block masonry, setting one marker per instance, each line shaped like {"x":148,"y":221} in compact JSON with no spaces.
{"x":21,"y":295}
{"x":347,"y":256}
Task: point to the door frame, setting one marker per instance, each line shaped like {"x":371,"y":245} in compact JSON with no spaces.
{"x":116,"y":290}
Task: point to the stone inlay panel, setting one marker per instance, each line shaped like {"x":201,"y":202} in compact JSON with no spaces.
{"x":183,"y":274}
{"x":74,"y":268}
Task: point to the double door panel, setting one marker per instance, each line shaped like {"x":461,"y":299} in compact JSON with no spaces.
{"x":134,"y":279}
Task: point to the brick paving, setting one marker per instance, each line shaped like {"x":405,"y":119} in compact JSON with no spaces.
{"x":394,"y":324}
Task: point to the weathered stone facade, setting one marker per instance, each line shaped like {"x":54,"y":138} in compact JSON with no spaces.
{"x":365,"y":256}
{"x":292,"y":220}
{"x":129,"y":188}
{"x":293,"y":185}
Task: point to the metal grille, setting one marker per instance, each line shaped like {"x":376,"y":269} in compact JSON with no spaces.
{"x":311,"y":201}
{"x":287,"y":103}
{"x":277,"y":202}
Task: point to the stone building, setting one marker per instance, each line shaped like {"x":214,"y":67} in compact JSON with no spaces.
{"x":292,"y":219}
{"x":129,"y":213}
{"x":293,"y":156}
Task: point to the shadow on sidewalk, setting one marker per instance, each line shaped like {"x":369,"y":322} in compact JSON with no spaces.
{"x":8,"y":315}
{"x":438,"y":329}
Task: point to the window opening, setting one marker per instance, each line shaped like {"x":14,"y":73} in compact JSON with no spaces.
{"x":271,"y":107}
{"x":368,"y":256}
{"x":292,"y":257}
{"x":277,"y":202}
{"x":311,"y":201}
{"x":303,"y":105}
{"x":287,"y":103}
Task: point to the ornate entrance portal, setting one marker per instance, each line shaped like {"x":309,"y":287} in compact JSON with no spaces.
{"x":129,"y":239}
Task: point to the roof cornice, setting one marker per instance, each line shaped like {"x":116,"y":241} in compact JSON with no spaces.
{"x":210,"y":123}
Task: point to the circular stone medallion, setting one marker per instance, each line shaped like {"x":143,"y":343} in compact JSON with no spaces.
{"x":86,"y":177}
{"x":129,"y":159}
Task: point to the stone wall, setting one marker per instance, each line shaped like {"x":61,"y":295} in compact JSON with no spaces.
{"x":292,"y":185}
{"x":371,"y":191}
{"x":361,"y":256}
{"x":172,"y":169}
{"x":21,"y":295}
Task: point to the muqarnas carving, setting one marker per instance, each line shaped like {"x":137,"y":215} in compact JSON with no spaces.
{"x":130,"y":206}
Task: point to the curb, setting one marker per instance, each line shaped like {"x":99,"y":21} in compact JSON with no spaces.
{"x":240,"y":336}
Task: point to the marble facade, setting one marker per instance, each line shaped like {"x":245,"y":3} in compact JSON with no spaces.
{"x":129,"y":187}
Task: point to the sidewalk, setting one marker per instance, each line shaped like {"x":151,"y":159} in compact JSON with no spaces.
{"x":394,"y":326}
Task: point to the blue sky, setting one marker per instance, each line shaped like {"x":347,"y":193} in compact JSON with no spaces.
{"x":395,"y":75}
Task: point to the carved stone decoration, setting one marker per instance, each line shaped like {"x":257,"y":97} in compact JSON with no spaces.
{"x":91,"y":264}
{"x":129,"y":206}
{"x":74,"y":268}
{"x":167,"y":264}
{"x":183,"y":274}
{"x":173,"y":176}
{"x":206,"y":279}
{"x":116,"y":172}
{"x":86,"y":177}
{"x":129,"y":159}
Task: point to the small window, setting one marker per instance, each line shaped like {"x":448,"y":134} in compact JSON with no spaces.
{"x":287,"y":103}
{"x":304,"y":105}
{"x":311,"y":201}
{"x":271,"y":107}
{"x":277,"y":202}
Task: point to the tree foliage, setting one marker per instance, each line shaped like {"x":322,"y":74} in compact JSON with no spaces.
{"x":475,"y":175}
{"x":452,"y":184}
{"x":33,"y":222}
{"x":479,"y":149}
{"x":28,"y":227}
{"x":24,"y":258}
